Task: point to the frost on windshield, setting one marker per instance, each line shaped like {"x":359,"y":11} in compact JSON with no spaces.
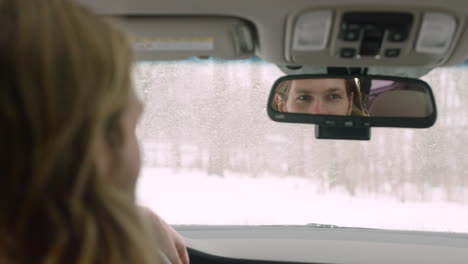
{"x":211,"y":155}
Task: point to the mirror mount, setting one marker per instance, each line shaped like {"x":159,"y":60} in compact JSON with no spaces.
{"x":353,"y":71}
{"x":347,"y":133}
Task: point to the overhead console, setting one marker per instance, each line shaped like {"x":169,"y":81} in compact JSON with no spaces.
{"x":373,"y":34}
{"x":356,"y":37}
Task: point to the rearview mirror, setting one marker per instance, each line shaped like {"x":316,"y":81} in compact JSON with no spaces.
{"x":352,"y":101}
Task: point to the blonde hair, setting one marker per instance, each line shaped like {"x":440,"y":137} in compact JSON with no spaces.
{"x":65,"y":80}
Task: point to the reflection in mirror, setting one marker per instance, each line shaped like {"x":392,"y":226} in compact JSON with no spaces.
{"x":398,"y":99}
{"x":353,"y":96}
{"x":319,"y":97}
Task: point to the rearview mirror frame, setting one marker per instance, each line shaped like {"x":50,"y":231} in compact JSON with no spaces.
{"x":352,"y":121}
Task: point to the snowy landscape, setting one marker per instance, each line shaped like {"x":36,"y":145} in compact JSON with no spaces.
{"x":211,"y":156}
{"x":195,"y":198}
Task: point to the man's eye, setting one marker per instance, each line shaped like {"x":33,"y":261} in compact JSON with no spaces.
{"x":334,"y":96}
{"x":304,"y":98}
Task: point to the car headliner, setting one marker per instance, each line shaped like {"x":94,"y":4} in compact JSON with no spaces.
{"x":269,"y":17}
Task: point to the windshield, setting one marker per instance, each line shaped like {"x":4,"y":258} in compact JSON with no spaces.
{"x":212,"y":156}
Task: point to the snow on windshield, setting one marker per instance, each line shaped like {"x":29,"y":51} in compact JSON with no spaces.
{"x":212,"y":156}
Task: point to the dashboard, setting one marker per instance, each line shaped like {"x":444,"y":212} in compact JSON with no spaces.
{"x":311,"y":244}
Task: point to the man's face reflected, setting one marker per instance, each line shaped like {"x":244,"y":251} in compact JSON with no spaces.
{"x":317,"y":96}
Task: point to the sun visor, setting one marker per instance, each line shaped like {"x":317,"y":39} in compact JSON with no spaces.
{"x":177,"y":38}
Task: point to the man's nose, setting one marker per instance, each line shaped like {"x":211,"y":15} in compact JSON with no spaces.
{"x":318,"y":108}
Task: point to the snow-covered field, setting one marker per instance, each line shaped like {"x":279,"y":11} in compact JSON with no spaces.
{"x":191,"y":197}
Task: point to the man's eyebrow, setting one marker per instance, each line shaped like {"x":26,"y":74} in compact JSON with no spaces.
{"x":335,"y":89}
{"x":308,"y":91}
{"x":303,"y":90}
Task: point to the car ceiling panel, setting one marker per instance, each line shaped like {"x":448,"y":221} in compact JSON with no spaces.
{"x":270,"y":16}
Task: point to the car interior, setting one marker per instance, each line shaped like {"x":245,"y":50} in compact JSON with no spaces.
{"x":386,"y":45}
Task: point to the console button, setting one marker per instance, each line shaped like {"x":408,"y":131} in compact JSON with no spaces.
{"x":347,"y":52}
{"x":351,"y":35}
{"x":372,"y":32}
{"x":392,"y":53}
{"x":397,"y":36}
{"x":354,"y":27}
{"x":370,"y":48}
{"x":350,"y":32}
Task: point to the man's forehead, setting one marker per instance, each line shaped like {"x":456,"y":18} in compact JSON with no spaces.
{"x":318,"y":84}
